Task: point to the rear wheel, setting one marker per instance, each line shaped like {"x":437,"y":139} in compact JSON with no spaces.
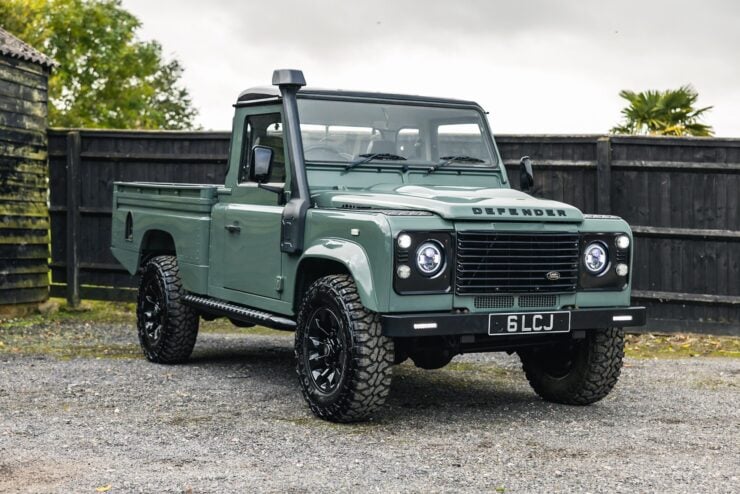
{"x":167,"y":328}
{"x":579,"y":372}
{"x":343,"y":361}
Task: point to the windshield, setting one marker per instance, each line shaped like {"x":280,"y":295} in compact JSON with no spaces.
{"x":354,"y":133}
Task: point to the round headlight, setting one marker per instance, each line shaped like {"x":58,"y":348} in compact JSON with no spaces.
{"x":623,"y":241}
{"x":404,"y":241}
{"x":429,"y":258}
{"x":595,"y":257}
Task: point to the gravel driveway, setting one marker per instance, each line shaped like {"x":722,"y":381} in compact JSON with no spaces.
{"x":233,"y":419}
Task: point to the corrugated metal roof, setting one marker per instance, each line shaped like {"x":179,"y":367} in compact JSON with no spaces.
{"x":13,"y":47}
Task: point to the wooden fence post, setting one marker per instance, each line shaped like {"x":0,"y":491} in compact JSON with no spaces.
{"x":73,"y":218}
{"x":603,"y":176}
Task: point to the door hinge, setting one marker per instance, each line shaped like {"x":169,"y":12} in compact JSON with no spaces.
{"x":279,"y":284}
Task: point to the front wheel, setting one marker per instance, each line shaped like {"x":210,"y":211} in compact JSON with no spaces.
{"x":579,"y":372}
{"x":343,"y":361}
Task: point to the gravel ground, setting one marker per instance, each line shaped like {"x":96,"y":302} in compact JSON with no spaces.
{"x":233,"y":419}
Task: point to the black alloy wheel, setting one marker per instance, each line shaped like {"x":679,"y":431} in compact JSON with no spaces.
{"x":343,"y":360}
{"x":326,"y":351}
{"x":152,"y":307}
{"x":167,"y":328}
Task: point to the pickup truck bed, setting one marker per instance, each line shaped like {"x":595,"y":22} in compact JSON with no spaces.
{"x":152,"y":207}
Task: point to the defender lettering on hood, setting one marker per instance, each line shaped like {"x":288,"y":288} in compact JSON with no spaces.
{"x":520,"y":212}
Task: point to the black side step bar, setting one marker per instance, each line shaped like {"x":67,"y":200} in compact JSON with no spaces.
{"x":240,"y":313}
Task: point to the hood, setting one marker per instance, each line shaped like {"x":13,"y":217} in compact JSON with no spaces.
{"x":454,"y":203}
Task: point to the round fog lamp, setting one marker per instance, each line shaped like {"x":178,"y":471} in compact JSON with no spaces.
{"x":404,"y":241}
{"x":595,"y":258}
{"x":429,"y":258}
{"x":622,"y":269}
{"x":403,"y":271}
{"x":623,"y":241}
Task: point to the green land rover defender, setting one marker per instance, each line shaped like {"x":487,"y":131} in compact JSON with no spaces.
{"x":378,"y":228}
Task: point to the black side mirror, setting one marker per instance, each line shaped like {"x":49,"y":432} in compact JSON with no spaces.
{"x":261,"y":163}
{"x":526,"y":175}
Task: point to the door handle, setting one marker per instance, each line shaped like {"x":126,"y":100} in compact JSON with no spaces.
{"x":233,"y":228}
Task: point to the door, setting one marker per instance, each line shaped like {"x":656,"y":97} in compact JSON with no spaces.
{"x":252,"y":258}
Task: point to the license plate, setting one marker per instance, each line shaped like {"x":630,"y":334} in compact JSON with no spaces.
{"x":529,"y":323}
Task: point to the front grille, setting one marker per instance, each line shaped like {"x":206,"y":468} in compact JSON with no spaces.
{"x":494,"y":302}
{"x":492,"y":262}
{"x":538,"y":301}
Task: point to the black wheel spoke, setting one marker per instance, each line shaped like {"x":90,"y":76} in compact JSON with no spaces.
{"x":150,"y":307}
{"x":320,"y":326}
{"x":325,"y":352}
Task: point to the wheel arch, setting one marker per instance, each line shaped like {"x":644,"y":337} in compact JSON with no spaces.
{"x":336,"y":257}
{"x":156,"y":242}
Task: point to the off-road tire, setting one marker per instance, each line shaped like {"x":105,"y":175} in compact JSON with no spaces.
{"x":593,"y":369}
{"x":160,"y":281}
{"x":367,"y":359}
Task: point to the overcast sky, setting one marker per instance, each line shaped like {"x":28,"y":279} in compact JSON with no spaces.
{"x":536,"y":66}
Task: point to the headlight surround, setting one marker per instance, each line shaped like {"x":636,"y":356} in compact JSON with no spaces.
{"x":430,"y":258}
{"x":603,"y":261}
{"x":596,"y":258}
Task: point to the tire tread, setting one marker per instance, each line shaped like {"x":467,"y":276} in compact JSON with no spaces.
{"x":593,"y":381}
{"x":369,"y":379}
{"x":181,"y":326}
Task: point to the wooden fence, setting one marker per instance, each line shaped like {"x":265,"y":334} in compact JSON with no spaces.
{"x":679,"y":194}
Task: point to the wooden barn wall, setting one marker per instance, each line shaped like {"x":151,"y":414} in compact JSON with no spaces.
{"x":24,"y":218}
{"x":680,"y":195}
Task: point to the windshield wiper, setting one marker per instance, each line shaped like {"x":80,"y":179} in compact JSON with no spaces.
{"x":446,"y":160}
{"x":367,"y":158}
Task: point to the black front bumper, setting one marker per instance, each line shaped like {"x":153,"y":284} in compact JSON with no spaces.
{"x":449,"y":324}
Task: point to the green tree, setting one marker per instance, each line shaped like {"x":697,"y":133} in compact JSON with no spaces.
{"x":667,"y":113}
{"x":107,"y":77}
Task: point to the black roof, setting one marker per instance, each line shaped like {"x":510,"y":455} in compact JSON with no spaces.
{"x":273,"y":92}
{"x":11,"y":46}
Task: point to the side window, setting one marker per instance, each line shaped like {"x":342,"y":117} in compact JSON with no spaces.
{"x":263,"y":130}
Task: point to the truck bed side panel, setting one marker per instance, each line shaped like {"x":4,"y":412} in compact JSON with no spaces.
{"x":156,"y":213}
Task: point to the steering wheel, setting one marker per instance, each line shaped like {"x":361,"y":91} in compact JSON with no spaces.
{"x":323,"y":152}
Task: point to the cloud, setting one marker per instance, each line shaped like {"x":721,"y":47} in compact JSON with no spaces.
{"x":538,"y":66}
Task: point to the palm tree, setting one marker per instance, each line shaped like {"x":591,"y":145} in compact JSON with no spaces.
{"x":666,"y":113}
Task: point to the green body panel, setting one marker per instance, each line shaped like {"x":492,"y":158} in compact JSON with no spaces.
{"x":352,"y":226}
{"x":455,"y":202}
{"x":182,"y":212}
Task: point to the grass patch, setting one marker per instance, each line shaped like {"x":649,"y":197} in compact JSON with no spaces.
{"x":65,"y":333}
{"x":681,"y":345}
{"x":89,"y":311}
{"x":94,"y":311}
